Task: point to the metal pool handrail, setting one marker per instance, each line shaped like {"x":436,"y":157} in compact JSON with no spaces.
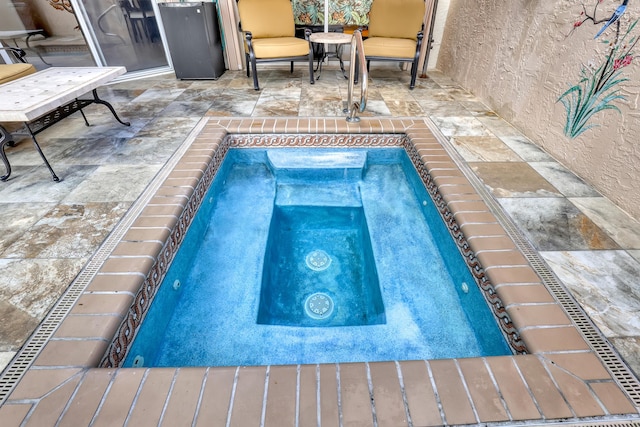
{"x":357,"y":48}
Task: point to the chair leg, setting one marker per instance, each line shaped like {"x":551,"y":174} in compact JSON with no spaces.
{"x":255,"y":74}
{"x":414,"y":72}
{"x":248,"y":62}
{"x":291,"y":67}
{"x":312,"y":79}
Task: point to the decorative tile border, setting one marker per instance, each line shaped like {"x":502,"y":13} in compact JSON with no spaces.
{"x":317,"y":140}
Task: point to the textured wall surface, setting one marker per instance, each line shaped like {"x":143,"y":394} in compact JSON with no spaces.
{"x":518,"y":56}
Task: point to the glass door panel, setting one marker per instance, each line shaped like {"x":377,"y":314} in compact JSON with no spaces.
{"x":47,"y":30}
{"x":126,"y":33}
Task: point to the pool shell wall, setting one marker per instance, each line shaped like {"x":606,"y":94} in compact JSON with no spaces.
{"x":571,"y":374}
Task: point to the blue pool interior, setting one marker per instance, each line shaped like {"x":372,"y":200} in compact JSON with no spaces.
{"x":316,"y":255}
{"x":319,"y":269}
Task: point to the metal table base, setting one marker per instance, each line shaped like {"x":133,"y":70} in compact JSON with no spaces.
{"x":45,"y":121}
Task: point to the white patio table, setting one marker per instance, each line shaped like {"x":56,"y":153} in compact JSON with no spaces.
{"x":48,"y":96}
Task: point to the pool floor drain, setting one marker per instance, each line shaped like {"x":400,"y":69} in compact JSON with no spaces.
{"x":318,"y":260}
{"x":318,"y":306}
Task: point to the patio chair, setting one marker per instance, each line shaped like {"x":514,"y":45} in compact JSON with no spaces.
{"x":10,"y":72}
{"x":269,"y":33}
{"x":395,"y":33}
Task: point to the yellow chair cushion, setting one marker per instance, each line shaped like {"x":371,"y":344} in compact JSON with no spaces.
{"x":280,"y":47}
{"x":396,"y":19}
{"x":10,"y":72}
{"x":265,"y":19}
{"x":388,"y":47}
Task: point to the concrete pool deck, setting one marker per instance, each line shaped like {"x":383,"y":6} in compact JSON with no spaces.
{"x":571,"y":374}
{"x":50,"y":231}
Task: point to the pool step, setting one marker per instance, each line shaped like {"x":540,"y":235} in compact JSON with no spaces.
{"x":320,"y":165}
{"x":316,"y":194}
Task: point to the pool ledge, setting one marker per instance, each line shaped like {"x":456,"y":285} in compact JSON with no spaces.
{"x":571,"y":373}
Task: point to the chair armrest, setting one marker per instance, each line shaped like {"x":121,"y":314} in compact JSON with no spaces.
{"x":18,"y":53}
{"x":419,"y":38}
{"x":248,"y":37}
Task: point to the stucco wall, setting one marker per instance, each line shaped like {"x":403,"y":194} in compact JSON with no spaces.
{"x":518,"y":57}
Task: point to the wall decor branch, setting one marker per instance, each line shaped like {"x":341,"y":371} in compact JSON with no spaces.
{"x":598,"y":88}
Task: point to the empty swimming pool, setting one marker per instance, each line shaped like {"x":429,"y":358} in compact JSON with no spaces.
{"x":316,"y":256}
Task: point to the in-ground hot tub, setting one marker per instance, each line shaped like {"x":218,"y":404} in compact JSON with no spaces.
{"x":316,"y":255}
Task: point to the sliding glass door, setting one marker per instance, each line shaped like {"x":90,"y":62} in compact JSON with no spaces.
{"x":47,"y":30}
{"x":85,"y":33}
{"x":124,"y":32}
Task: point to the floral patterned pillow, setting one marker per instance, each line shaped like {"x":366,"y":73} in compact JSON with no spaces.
{"x":341,"y":12}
